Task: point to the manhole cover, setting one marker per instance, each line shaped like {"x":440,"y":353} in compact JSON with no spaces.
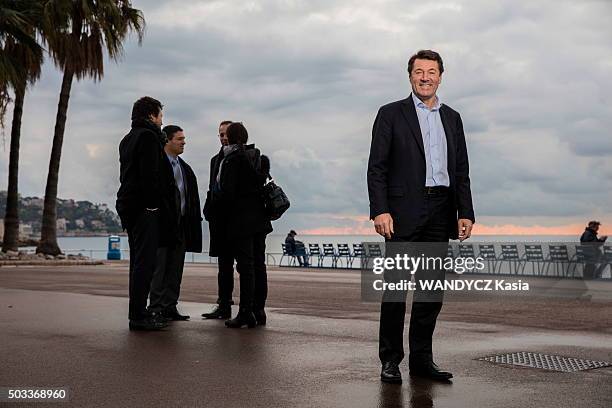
{"x":545,"y":361}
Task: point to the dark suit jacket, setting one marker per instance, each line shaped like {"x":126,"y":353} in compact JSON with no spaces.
{"x":216,"y":242}
{"x":396,"y":168}
{"x":193,"y":217}
{"x":171,"y":206}
{"x":214,"y":170}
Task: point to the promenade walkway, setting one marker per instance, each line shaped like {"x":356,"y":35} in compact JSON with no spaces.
{"x":318,"y":350}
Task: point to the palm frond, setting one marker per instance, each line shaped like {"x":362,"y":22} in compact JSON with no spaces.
{"x":21,"y":57}
{"x":83,"y":30}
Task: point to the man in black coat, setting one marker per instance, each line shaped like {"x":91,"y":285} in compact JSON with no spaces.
{"x":185,"y":204}
{"x":592,"y":247}
{"x":225,"y":261}
{"x":291,"y":245}
{"x":419,"y":190}
{"x":140,"y":207}
{"x":590,"y":233}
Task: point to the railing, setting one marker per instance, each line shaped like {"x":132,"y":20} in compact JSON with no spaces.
{"x":561,"y":260}
{"x":545,"y":259}
{"x":100,"y":254}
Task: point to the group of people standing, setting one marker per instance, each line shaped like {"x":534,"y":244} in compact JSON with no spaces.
{"x":159,"y":206}
{"x":419,"y":191}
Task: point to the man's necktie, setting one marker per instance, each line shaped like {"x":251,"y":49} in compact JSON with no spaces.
{"x":178,"y":177}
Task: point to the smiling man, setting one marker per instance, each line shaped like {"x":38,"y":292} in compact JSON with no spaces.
{"x":419,"y":189}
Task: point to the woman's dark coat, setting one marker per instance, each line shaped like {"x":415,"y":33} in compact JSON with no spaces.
{"x":236,"y":203}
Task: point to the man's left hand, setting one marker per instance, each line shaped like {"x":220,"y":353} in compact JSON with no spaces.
{"x":465,"y":228}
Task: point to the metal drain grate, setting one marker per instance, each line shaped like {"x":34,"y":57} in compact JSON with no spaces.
{"x":545,"y":361}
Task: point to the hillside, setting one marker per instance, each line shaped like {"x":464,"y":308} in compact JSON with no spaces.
{"x":73,"y":217}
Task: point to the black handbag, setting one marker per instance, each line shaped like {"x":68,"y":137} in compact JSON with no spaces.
{"x":275,"y":200}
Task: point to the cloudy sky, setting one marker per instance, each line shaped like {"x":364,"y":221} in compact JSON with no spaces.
{"x":532,"y":80}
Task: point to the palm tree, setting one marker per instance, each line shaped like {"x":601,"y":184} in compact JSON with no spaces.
{"x":22,"y":61}
{"x":84,"y":29}
{"x":16,"y":20}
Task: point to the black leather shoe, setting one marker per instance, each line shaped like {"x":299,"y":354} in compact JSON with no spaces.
{"x":219,"y":312}
{"x":260,"y":317}
{"x":148,"y":324}
{"x":158,"y":316}
{"x":174,"y":315}
{"x":243,"y":318}
{"x":390,"y":373}
{"x":430,"y":370}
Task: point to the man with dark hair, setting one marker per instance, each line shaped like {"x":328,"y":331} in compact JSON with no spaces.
{"x":139,"y":203}
{"x":225,"y":261}
{"x":185,"y":202}
{"x":426,"y":55}
{"x":146,"y":106}
{"x":419,"y":190}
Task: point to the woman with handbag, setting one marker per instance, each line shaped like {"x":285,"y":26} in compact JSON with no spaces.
{"x":245,"y":223}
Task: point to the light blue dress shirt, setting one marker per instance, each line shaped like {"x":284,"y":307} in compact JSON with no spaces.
{"x":434,"y":143}
{"x":178,"y":177}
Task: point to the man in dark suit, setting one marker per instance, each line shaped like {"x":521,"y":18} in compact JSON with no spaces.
{"x":225,"y":261}
{"x":139,"y":205}
{"x":419,"y":190}
{"x":185,"y":202}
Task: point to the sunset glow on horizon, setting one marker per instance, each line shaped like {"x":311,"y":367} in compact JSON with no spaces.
{"x":367,"y":228}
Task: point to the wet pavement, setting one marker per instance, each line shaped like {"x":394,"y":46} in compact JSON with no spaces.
{"x":306,"y":356}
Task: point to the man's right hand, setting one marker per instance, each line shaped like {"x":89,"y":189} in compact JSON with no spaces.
{"x":383,"y":223}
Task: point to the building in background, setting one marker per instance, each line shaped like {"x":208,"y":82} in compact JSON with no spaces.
{"x":26,"y":231}
{"x":61,"y":226}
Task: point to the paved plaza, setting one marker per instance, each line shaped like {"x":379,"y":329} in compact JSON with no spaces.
{"x":67,"y":327}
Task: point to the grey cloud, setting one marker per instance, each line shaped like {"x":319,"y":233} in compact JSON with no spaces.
{"x":306,"y":77}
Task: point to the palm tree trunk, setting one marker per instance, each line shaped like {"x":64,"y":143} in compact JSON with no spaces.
{"x":11,"y":219}
{"x":48,"y":238}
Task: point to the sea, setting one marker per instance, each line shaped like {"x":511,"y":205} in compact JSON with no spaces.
{"x":97,"y":247}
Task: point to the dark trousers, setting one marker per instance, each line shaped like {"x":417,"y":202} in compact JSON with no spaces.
{"x":225,"y":280}
{"x":592,"y":271}
{"x":166,"y":284}
{"x":243,"y":251}
{"x":249,"y":253}
{"x":302,"y":260}
{"x":143,"y":237}
{"x":432,"y":228}
{"x":259,"y":269}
